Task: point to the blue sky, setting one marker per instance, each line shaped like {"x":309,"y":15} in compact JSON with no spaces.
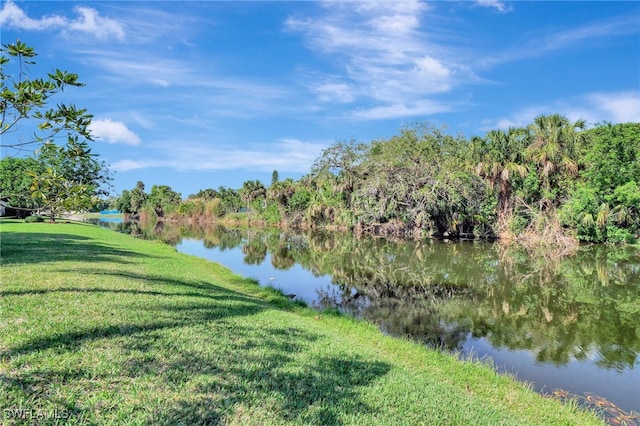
{"x":202,"y":94}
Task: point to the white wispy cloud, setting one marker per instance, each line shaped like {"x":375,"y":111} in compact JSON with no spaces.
{"x":400,"y":110}
{"x":500,"y":6}
{"x":133,"y":66}
{"x":519,"y":118}
{"x":621,"y":25}
{"x":331,"y":89}
{"x":190,"y":83}
{"x":113,"y":132}
{"x":127,"y":164}
{"x":87,"y":21}
{"x":90,"y":22}
{"x":542,"y":44}
{"x":286,"y":155}
{"x":147,"y":25}
{"x":384,"y":55}
{"x":621,"y":107}
{"x":617,"y":107}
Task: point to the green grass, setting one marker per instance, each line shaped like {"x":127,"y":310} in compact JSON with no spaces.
{"x":101,"y":328}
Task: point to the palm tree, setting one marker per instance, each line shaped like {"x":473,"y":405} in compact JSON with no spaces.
{"x":501,"y":156}
{"x":252,"y":190}
{"x":280,"y":192}
{"x":554,"y":148}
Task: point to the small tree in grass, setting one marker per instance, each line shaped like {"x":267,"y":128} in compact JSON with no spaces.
{"x":69,"y":179}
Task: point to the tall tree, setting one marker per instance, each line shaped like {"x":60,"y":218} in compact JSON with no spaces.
{"x":231,"y":200}
{"x":205,"y":194}
{"x":137,"y":198}
{"x":418,"y":180}
{"x":123,"y":203}
{"x":69,"y":178}
{"x":500,"y":157}
{"x":340,"y":162}
{"x":163,"y":199}
{"x":24,"y":100}
{"x":280,"y":192}
{"x":612,"y":157}
{"x":251,"y":191}
{"x":553,"y":148}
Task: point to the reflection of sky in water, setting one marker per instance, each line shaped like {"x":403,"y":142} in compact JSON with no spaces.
{"x":295,"y":280}
{"x":576,"y":377}
{"x":111,"y":219}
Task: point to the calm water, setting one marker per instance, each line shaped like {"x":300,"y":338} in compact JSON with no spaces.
{"x":571,"y":323}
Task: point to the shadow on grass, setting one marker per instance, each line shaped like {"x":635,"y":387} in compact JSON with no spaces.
{"x":172,"y":310}
{"x":32,"y":378}
{"x":119,"y":291}
{"x":205,"y":347}
{"x":28,"y":248}
{"x":201,"y":289}
{"x":321,"y":395}
{"x":35,"y":382}
{"x":266,"y":378}
{"x":169,"y":282}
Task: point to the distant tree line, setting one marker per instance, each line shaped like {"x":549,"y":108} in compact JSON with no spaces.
{"x":552,"y":180}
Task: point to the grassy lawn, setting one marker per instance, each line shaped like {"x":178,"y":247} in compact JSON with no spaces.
{"x":101,"y":328}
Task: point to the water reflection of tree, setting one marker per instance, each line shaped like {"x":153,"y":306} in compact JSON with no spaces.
{"x":221,"y":237}
{"x":566,"y":309}
{"x":254,"y":249}
{"x":425,"y":317}
{"x":282,"y":258}
{"x":159,"y":230}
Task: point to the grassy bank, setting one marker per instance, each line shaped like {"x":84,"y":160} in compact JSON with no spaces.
{"x":101,"y":328}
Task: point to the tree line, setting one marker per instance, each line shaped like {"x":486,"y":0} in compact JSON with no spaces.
{"x":553,"y":180}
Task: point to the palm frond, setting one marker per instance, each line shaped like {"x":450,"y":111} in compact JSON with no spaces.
{"x":586,"y":220}
{"x":603,"y":215}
